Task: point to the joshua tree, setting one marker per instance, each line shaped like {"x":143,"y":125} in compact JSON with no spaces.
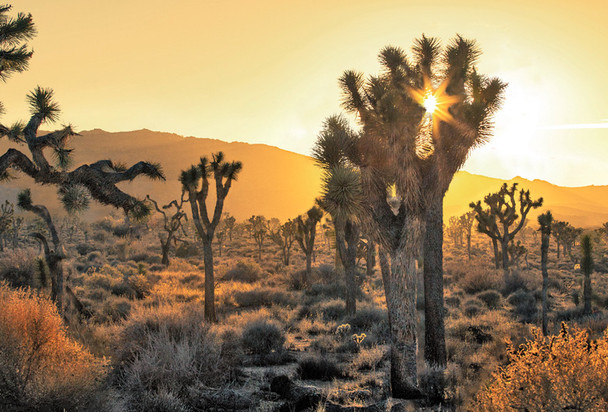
{"x":306,"y":230}
{"x":342,"y":196}
{"x":220,"y":236}
{"x":565,"y":236}
{"x":258,"y":227}
{"x":516,"y":252}
{"x":545,"y":220}
{"x":414,"y":153}
{"x":586,"y":268}
{"x":229,"y":222}
{"x":171,"y":225}
{"x":466,"y":221}
{"x":455,"y":231}
{"x":504,"y":216}
{"x":195,"y":181}
{"x":97,"y":180}
{"x":284,"y":236}
{"x":14,"y":33}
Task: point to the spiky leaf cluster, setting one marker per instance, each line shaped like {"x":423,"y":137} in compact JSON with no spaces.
{"x":545,"y":221}
{"x":14,"y":33}
{"x":75,"y":197}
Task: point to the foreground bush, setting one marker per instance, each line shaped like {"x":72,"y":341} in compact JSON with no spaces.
{"x":40,"y":367}
{"x":563,"y":372}
{"x":263,"y":337}
{"x":164,"y":355}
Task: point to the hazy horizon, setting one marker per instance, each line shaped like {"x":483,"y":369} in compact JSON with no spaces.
{"x":266,"y":72}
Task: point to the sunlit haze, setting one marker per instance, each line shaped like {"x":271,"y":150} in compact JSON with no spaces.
{"x":266,"y":71}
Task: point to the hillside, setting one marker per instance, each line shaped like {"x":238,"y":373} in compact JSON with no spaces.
{"x":278,"y":183}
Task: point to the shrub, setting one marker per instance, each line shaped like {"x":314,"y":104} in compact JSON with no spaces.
{"x":366,"y":318}
{"x":478,"y":279}
{"x":491,"y":298}
{"x":563,"y":372}
{"x":248,"y":272}
{"x":186,"y":250}
{"x":513,"y":282}
{"x":40,"y":367}
{"x":114,"y":310}
{"x":472,"y":307}
{"x":524,"y":305}
{"x":319,"y":368}
{"x":19,"y":269}
{"x":170,"y":349}
{"x":263,"y":297}
{"x":84,"y":249}
{"x":263,"y":337}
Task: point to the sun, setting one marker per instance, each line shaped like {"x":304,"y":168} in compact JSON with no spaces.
{"x":430,"y":102}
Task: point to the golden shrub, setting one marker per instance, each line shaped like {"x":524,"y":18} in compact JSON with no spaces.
{"x":562,"y":372}
{"x":40,"y":367}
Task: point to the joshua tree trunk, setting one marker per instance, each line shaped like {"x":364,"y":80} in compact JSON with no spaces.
{"x":347,"y":239}
{"x":504,"y":245}
{"x":496,"y":259}
{"x":370,"y":260}
{"x":401,"y":304}
{"x":385,"y":269}
{"x":209,"y":280}
{"x":165,"y":246}
{"x":434,"y":329}
{"x":544,"y":250}
{"x":469,"y":244}
{"x":308,"y":266}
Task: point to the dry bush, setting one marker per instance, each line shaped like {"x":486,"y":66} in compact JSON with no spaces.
{"x":319,"y":368}
{"x":478,"y":278}
{"x":244,"y":271}
{"x":40,"y":367}
{"x":562,"y":372}
{"x":263,"y":337}
{"x":164,"y":354}
{"x":19,"y":268}
{"x":265,"y":296}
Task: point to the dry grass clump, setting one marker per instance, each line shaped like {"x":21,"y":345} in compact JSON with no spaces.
{"x":315,"y":367}
{"x":479,"y":278}
{"x":263,"y":337}
{"x":19,"y":268}
{"x":264,"y":296}
{"x":244,"y":271}
{"x":562,"y":372}
{"x":40,"y":367}
{"x":166,"y":353}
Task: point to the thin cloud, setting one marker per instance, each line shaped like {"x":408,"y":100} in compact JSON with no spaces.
{"x":603,"y":125}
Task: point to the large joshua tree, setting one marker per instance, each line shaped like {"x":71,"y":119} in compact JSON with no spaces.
{"x":196,"y":181}
{"x":504,"y":215}
{"x":545,"y":220}
{"x":75,"y":187}
{"x":419,"y":120}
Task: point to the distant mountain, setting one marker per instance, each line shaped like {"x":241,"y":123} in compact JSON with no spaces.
{"x":279,"y":183}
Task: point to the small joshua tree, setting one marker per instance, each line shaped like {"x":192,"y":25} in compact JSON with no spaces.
{"x":172,"y":224}
{"x":466,"y":221}
{"x":284,"y":236}
{"x":545,"y":220}
{"x":455,"y":231}
{"x":195,"y":181}
{"x":229,"y":222}
{"x":7,"y":215}
{"x":586,"y":268}
{"x":306,"y":230}
{"x":504,"y":216}
{"x":258,"y":227}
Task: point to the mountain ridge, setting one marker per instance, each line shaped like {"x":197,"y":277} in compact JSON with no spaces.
{"x":276,"y":182}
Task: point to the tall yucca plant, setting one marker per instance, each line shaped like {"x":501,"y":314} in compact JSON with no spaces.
{"x":196,"y":181}
{"x":403,"y":148}
{"x":342,"y":195}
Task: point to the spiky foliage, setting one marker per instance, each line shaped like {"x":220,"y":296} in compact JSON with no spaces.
{"x":416,"y":154}
{"x":586,"y":268}
{"x":196,"y":181}
{"x":545,"y":222}
{"x":504,"y":215}
{"x":14,"y":34}
{"x":97,"y":180}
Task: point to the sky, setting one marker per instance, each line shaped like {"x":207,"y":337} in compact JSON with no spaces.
{"x":266,"y":71}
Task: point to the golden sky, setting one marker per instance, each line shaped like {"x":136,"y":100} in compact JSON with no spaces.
{"x":266,"y":71}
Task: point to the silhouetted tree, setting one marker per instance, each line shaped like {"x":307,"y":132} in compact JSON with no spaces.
{"x":284,"y":236}
{"x":455,"y":231}
{"x":466,"y":221}
{"x":400,"y":150}
{"x":306,"y":230}
{"x":258,"y":227}
{"x":229,"y":222}
{"x":586,"y":268}
{"x":545,"y":220}
{"x":504,"y":215}
{"x":171,"y":225}
{"x":14,"y":33}
{"x":195,"y":181}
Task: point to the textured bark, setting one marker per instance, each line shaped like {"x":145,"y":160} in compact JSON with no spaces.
{"x":347,"y":239}
{"x":165,"y":246}
{"x":370,"y":259}
{"x":209,"y":281}
{"x":401,"y":304}
{"x":496,"y":254}
{"x":434,"y":329}
{"x":544,"y":250}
